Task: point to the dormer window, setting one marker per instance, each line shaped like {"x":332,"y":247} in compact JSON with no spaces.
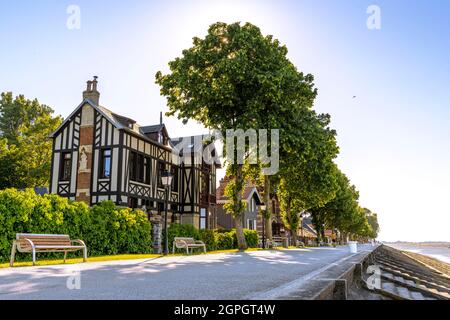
{"x":130,"y":125}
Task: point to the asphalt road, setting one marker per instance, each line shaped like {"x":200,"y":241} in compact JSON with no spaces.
{"x":257,"y":274}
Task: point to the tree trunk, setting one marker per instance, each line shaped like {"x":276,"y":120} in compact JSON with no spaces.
{"x":318,"y":232}
{"x":294,"y":237}
{"x":267,"y":202}
{"x":242,"y":244}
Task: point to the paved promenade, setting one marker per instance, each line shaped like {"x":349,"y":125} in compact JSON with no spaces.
{"x":258,"y":274}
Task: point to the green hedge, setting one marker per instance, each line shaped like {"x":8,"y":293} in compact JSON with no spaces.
{"x":225,"y":241}
{"x":213,"y":239}
{"x":105,"y":228}
{"x":251,"y":237}
{"x":180,"y":230}
{"x":209,"y":238}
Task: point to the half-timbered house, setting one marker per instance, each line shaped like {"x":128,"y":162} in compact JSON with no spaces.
{"x":99,"y":155}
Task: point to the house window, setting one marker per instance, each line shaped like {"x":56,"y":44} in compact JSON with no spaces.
{"x":174,"y":171}
{"x":140,"y":168}
{"x":66,"y":166}
{"x":133,"y":168}
{"x":147,"y":167}
{"x":132,"y":203}
{"x":251,"y":224}
{"x":253,"y":205}
{"x":161,"y":169}
{"x":137,"y":167}
{"x":202,"y":218}
{"x":105,"y":164}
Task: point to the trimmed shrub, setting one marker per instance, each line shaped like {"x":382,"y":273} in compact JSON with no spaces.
{"x":223,"y":230}
{"x":118,"y":230}
{"x":251,"y":236}
{"x":224,"y":240}
{"x":208,"y":237}
{"x":105,"y":228}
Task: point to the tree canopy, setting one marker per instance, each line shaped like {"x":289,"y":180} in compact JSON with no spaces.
{"x":344,"y":214}
{"x":235,"y":78}
{"x":25,"y":147}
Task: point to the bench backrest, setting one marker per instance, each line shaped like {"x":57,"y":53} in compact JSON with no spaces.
{"x":42,"y":240}
{"x":182,"y":241}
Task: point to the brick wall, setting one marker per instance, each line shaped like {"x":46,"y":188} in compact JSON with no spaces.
{"x":84,"y":170}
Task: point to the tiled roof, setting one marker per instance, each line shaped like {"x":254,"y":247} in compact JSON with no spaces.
{"x":249,"y":191}
{"x":152,"y":129}
{"x":308,"y":227}
{"x":193,"y":143}
{"x":118,"y":121}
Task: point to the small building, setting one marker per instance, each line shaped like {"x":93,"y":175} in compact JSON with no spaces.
{"x":331,"y":236}
{"x":100,"y":155}
{"x":253,"y":202}
{"x":307,"y":233}
{"x":278,"y":228}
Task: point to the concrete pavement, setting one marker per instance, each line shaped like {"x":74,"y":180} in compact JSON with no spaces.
{"x":258,"y":274}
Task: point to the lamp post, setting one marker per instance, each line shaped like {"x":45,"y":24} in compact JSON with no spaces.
{"x":166,"y":179}
{"x":263,"y":210}
{"x":301,"y":226}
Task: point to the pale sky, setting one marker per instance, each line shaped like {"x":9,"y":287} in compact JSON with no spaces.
{"x":394,"y":136}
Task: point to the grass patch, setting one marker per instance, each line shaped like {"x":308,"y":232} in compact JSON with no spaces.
{"x":80,"y":260}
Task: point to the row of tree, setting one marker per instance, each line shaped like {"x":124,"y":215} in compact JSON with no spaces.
{"x":237,"y":78}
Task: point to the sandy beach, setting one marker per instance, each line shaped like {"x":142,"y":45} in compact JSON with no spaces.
{"x":436,"y":256}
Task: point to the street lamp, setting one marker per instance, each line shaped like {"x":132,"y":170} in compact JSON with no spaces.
{"x":166,"y":179}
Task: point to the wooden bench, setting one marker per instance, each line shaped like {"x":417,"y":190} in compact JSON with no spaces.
{"x":187,"y":243}
{"x":33,"y":243}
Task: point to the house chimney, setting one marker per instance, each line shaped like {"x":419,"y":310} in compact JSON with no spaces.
{"x":91,"y":92}
{"x":160,"y":118}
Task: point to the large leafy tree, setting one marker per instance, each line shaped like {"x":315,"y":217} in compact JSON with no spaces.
{"x":291,"y":98}
{"x":25,"y":147}
{"x":342,"y":212}
{"x":234,"y":78}
{"x":372,"y":219}
{"x":308,"y":173}
{"x":290,"y":207}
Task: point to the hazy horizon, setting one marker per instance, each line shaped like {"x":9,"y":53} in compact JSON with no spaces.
{"x":387,"y":90}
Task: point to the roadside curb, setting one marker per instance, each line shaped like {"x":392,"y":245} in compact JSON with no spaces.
{"x":328,"y":283}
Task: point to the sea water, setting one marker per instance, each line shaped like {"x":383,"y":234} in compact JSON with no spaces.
{"x":440,"y":253}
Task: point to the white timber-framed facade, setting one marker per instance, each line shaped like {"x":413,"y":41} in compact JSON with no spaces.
{"x":99,"y":155}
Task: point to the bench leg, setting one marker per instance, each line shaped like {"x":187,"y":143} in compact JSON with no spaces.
{"x":13,"y":253}
{"x":204,"y":249}
{"x":187,"y":250}
{"x":65,"y":256}
{"x":84,"y":254}
{"x":34,"y":257}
